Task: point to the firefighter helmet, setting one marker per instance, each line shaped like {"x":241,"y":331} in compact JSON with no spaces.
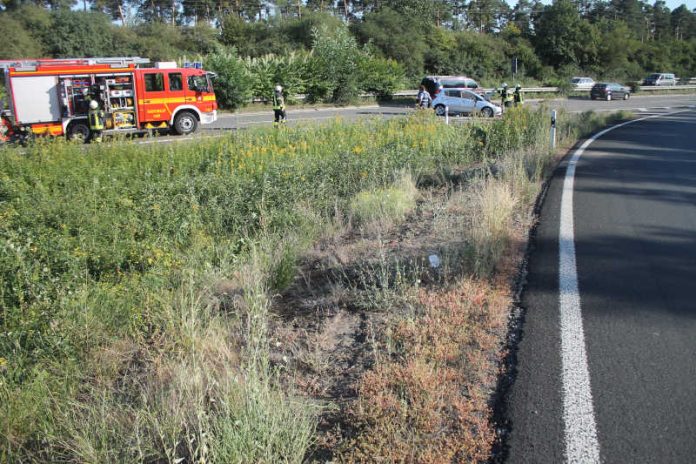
{"x":278,"y":88}
{"x":93,"y":104}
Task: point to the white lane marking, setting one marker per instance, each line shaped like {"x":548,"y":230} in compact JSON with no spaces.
{"x":581,"y":441}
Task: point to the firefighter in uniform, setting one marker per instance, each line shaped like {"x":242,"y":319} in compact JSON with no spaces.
{"x":505,"y":96}
{"x":96,"y":121}
{"x":278,"y":106}
{"x":517,"y":96}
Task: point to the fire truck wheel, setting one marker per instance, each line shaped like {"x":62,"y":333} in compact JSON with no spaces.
{"x":78,"y":131}
{"x":185,"y":123}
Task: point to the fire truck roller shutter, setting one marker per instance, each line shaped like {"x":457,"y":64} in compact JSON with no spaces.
{"x":36,"y":98}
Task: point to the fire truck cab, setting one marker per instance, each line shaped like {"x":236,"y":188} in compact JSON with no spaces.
{"x":52,"y":96}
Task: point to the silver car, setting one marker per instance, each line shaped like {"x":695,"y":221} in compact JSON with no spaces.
{"x":660,"y":79}
{"x":462,"y":101}
{"x":582,"y":83}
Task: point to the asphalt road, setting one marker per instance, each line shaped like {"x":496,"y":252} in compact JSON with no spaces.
{"x":634,"y":215}
{"x":246,"y":120}
{"x":243,"y":120}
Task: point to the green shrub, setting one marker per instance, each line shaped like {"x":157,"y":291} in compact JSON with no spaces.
{"x":380,"y":76}
{"x":290,"y":71}
{"x":564,"y":85}
{"x":334,"y":66}
{"x":234,"y":84}
{"x":634,"y":85}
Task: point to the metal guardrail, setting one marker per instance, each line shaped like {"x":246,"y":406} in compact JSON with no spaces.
{"x":650,"y":88}
{"x":413,"y":93}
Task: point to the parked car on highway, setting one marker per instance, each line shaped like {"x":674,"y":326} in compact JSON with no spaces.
{"x":660,"y":79}
{"x":464,"y":101}
{"x":434,"y":84}
{"x":610,"y":91}
{"x":582,"y":83}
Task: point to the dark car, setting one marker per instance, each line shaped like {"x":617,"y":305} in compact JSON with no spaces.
{"x":609,"y":91}
{"x":434,"y":84}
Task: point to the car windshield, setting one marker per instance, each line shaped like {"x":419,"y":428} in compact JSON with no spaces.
{"x":575,"y":80}
{"x":653,"y":76}
{"x":471,"y":95}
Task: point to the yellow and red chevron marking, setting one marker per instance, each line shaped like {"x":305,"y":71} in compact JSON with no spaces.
{"x":51,"y":128}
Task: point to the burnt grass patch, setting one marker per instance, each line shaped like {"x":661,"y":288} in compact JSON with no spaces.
{"x":346,"y":316}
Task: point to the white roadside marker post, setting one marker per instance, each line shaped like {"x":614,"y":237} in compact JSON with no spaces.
{"x":447,"y":115}
{"x":553,"y":129}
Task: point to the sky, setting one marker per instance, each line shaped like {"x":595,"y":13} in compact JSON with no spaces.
{"x":671,"y":4}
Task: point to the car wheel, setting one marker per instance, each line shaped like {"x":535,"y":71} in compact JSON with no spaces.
{"x":608,"y":97}
{"x":440,"y":110}
{"x":487,"y":112}
{"x":185,"y":123}
{"x":78,"y":131}
{"x":627,"y":96}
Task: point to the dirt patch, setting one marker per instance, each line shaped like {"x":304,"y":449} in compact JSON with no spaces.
{"x":391,"y":333}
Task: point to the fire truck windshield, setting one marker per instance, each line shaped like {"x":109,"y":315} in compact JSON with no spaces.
{"x":198,"y":84}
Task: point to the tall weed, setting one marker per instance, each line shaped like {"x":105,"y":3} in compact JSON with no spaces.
{"x":112,"y":258}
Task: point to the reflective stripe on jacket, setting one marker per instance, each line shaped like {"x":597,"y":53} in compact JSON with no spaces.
{"x":518,"y":96}
{"x":96,"y":119}
{"x":278,"y":101}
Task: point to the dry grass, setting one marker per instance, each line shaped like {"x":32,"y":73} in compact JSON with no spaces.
{"x":201,"y":342}
{"x":434,"y":363}
{"x":405,"y":354}
{"x":430,"y":403}
{"x":200,"y":390}
{"x":495,"y":204}
{"x":378,"y":210}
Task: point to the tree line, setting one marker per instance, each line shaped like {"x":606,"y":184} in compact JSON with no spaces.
{"x":384,"y":43}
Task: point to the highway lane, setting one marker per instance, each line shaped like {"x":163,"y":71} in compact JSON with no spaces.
{"x":634,"y":214}
{"x":245,"y":120}
{"x":644,"y":102}
{"x":261,"y":118}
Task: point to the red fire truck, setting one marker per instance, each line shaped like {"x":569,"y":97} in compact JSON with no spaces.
{"x":51,"y":96}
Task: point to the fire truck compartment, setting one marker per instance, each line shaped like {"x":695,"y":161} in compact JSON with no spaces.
{"x":36,"y":99}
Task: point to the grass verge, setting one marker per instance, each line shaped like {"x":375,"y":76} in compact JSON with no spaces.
{"x":145,"y":291}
